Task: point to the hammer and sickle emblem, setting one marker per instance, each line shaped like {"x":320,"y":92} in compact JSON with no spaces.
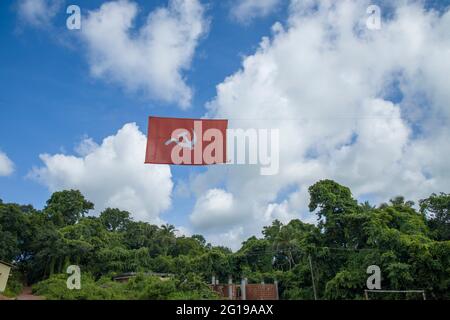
{"x":184,"y":142}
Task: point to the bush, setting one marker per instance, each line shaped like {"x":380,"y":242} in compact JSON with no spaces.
{"x":55,"y":288}
{"x":140,"y":287}
{"x":15,"y":285}
{"x":153,"y":288}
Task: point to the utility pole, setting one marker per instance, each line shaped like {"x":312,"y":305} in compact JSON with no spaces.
{"x":312,"y":277}
{"x":230,"y":287}
{"x":243,"y":289}
{"x":276,"y":289}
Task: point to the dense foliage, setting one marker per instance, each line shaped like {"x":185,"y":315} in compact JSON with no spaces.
{"x":411,"y":246}
{"x":139,"y":288}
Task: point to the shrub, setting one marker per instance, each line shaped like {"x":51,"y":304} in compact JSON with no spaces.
{"x":14,"y":286}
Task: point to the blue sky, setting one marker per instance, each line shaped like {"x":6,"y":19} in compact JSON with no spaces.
{"x":51,"y":101}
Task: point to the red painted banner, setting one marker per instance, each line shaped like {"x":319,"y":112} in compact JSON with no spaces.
{"x":186,"y":141}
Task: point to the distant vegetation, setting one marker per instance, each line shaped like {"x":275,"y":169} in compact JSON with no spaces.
{"x":139,"y":287}
{"x":15,"y":285}
{"x":411,"y":246}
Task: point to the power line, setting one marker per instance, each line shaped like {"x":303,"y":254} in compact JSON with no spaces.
{"x":302,"y":250}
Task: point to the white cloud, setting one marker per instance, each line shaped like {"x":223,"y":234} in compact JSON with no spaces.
{"x":112,"y":174}
{"x":214,"y":210}
{"x":325,"y":81}
{"x":6,"y":165}
{"x":181,"y":231}
{"x":38,"y":13}
{"x":86,"y":146}
{"x":245,"y":11}
{"x":152,"y":58}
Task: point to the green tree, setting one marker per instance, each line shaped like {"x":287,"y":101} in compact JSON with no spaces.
{"x":12,"y":231}
{"x":115,"y":219}
{"x":334,"y":203}
{"x":437,"y":208}
{"x":67,"y":207}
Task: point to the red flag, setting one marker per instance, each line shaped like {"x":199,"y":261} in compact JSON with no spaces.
{"x":186,"y":141}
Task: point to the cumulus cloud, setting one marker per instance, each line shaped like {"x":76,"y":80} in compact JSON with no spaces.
{"x":245,"y":11}
{"x":150,"y":59}
{"x":38,"y":13}
{"x":6,"y":165}
{"x":112,"y":174}
{"x":213,"y":209}
{"x":366,"y":108}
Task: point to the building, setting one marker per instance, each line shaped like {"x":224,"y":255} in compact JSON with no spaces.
{"x":246,"y":291}
{"x":5,"y":269}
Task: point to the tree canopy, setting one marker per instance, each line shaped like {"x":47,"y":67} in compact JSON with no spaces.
{"x":410,"y":245}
